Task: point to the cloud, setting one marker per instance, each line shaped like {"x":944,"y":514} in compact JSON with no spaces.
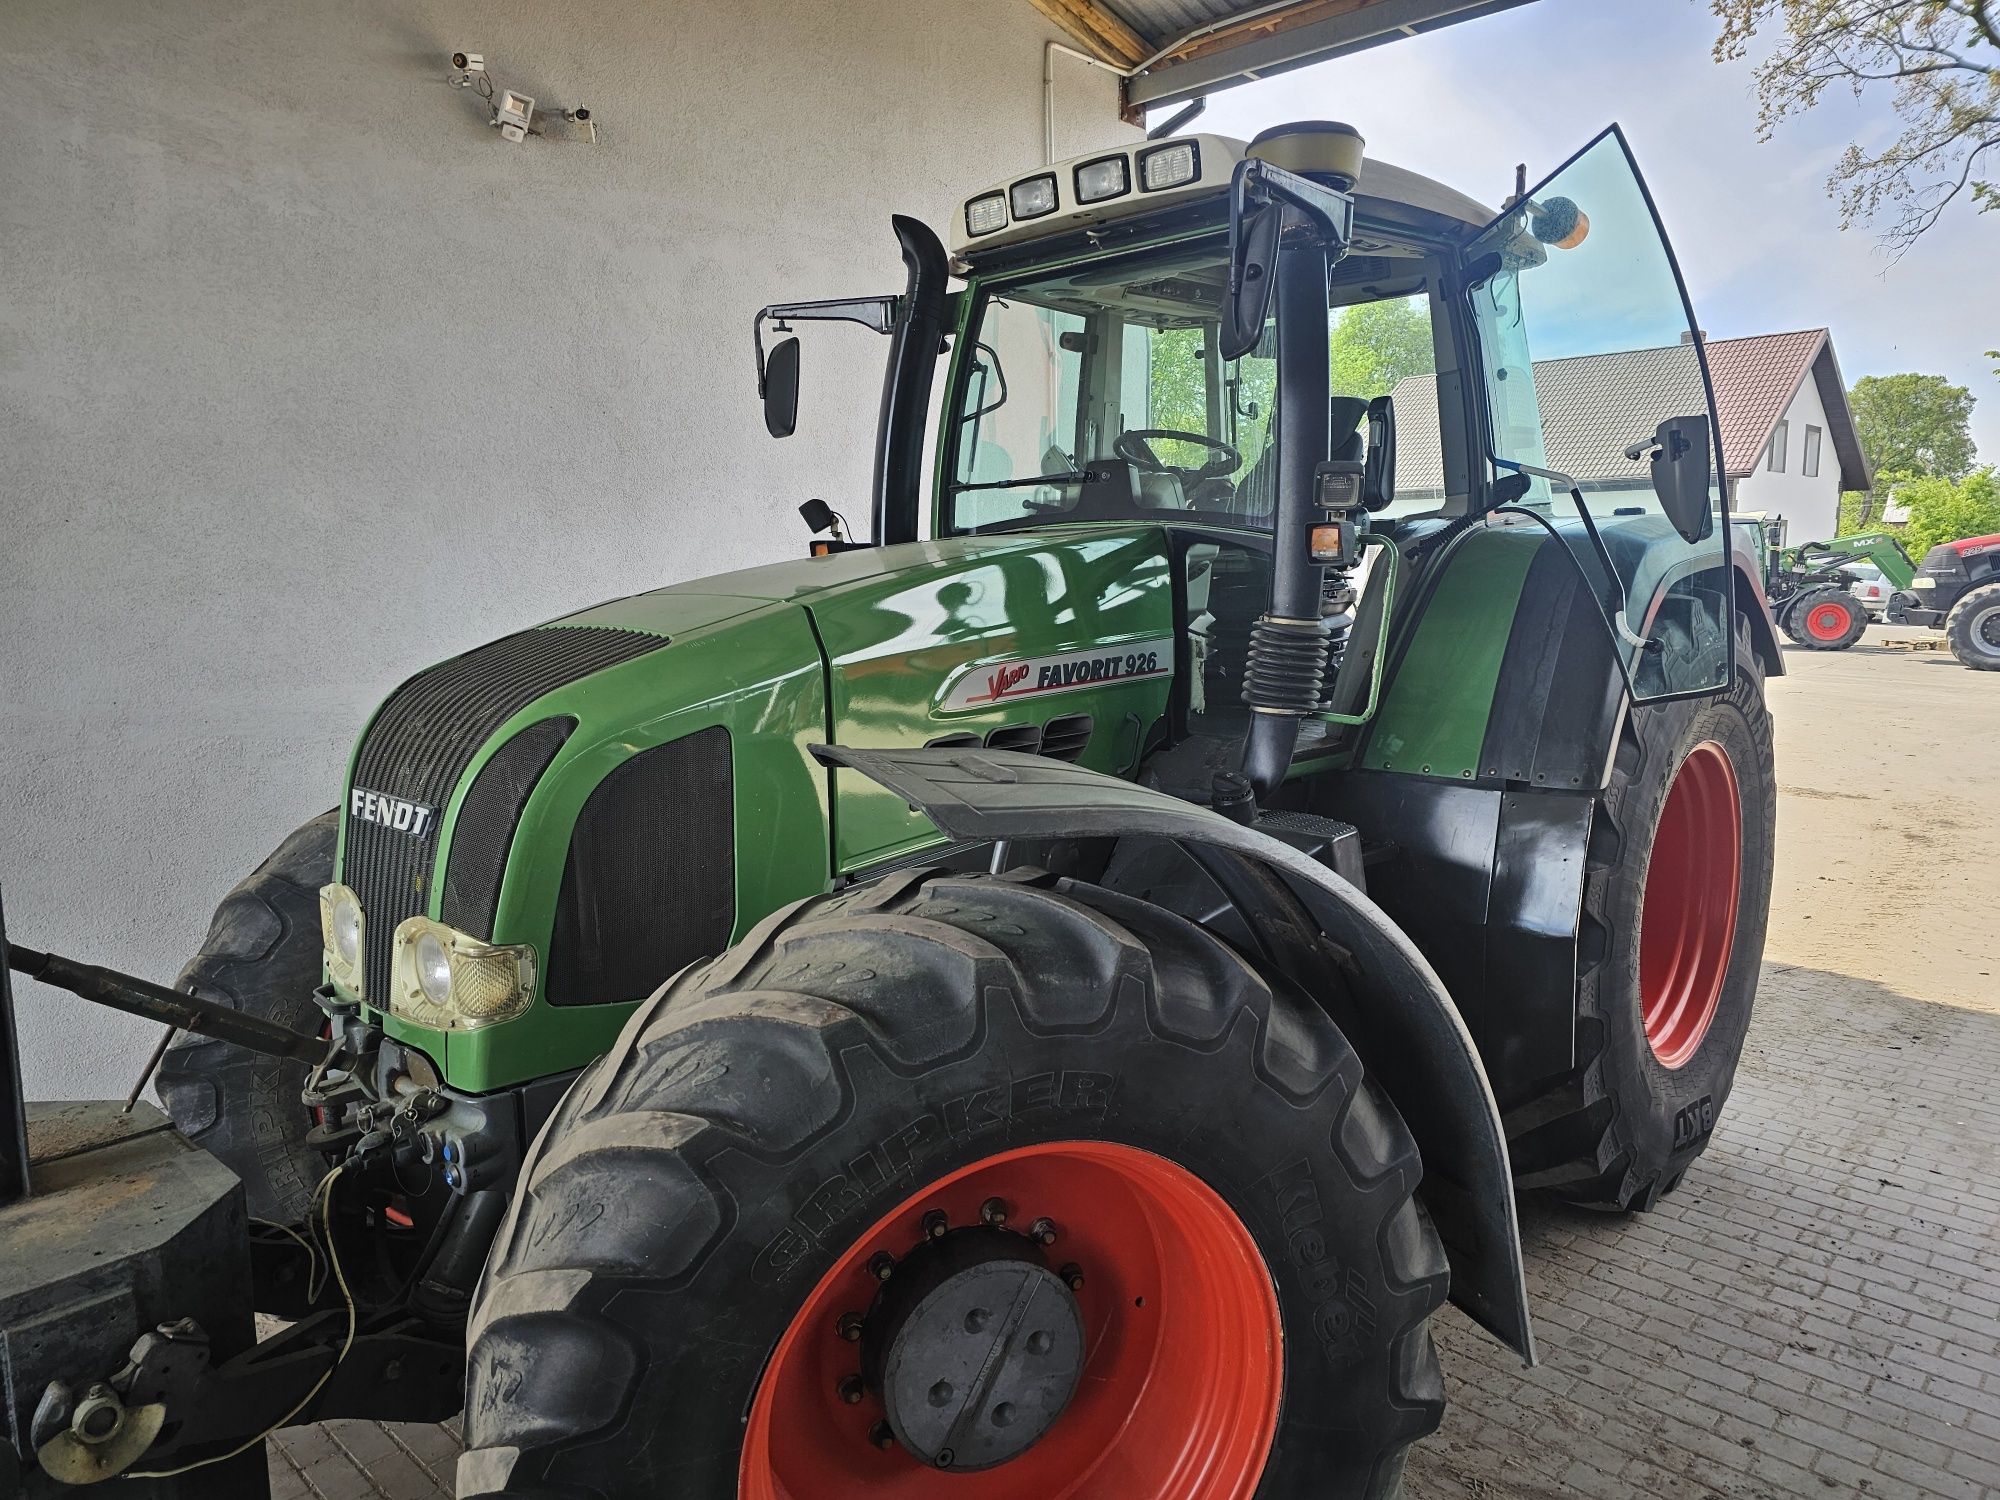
{"x":1758,"y":238}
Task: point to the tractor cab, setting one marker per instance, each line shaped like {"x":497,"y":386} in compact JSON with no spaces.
{"x":1320,"y":381}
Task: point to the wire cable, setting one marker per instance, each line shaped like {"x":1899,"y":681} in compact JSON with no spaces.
{"x":324,"y":1195}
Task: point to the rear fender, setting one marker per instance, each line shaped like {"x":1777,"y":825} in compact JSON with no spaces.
{"x":1315,"y":929}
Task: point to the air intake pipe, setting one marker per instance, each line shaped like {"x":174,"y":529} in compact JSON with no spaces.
{"x":906,"y":384}
{"x":1286,"y":674}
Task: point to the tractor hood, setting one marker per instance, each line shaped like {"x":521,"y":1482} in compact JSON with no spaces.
{"x":621,"y":791}
{"x":970,"y":639}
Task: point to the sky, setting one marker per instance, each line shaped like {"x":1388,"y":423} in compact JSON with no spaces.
{"x":1759,"y":240}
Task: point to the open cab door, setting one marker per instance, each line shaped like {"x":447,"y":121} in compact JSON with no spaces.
{"x":1601,"y":416}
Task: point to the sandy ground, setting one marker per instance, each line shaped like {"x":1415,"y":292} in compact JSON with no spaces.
{"x":1889,"y":818}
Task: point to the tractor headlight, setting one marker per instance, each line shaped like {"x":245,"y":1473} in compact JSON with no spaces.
{"x":1107,"y":177}
{"x":1169,"y":166}
{"x":445,"y":978}
{"x":985,"y":214}
{"x":1034,"y":196}
{"x":340,"y":930}
{"x":1923,"y":583}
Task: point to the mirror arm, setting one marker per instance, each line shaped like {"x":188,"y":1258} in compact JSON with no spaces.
{"x":878,"y":314}
{"x":1617,"y":622}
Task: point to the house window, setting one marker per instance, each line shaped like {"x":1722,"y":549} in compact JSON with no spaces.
{"x":1811,"y":468}
{"x":1777,"y":465}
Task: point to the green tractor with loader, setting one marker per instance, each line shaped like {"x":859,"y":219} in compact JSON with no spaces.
{"x":1048,"y":1000}
{"x":1955,"y":589}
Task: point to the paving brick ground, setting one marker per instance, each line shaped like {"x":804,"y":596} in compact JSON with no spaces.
{"x":1815,"y":1313}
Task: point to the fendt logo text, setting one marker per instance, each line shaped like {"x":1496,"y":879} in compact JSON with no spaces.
{"x":404,"y":816}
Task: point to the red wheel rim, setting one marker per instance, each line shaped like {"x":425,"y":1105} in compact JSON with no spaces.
{"x":1687,"y":923}
{"x":1184,"y":1363}
{"x":1829,"y":622}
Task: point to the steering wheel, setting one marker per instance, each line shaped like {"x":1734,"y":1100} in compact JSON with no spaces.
{"x":1136,"y":448}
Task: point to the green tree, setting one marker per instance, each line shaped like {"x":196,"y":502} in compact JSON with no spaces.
{"x":1940,"y":60}
{"x":1376,"y":344}
{"x":1941,"y":511}
{"x":1911,"y":427}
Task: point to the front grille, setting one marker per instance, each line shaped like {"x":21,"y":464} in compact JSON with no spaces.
{"x":420,"y":744}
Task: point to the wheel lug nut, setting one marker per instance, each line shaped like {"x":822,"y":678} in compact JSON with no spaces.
{"x":851,"y":1389}
{"x":1042,"y":1231}
{"x":935,"y":1224}
{"x":882,"y":1265}
{"x":1072,"y":1276}
{"x":849,"y":1327}
{"x":994,"y":1212}
{"x":881,"y":1436}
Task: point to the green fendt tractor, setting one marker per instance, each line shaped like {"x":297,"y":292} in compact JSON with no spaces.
{"x":1049,"y":1001}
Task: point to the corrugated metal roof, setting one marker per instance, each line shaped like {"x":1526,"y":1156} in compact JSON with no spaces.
{"x":1176,"y":50}
{"x":1593,"y":405}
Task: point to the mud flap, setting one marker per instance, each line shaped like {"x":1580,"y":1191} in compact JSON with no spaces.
{"x":1315,"y":929}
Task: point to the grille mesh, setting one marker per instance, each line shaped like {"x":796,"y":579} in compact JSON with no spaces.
{"x":487,"y":819}
{"x":650,"y":885}
{"x":420,"y":744}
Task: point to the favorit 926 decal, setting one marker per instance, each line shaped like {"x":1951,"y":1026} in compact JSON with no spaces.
{"x":985,"y":683}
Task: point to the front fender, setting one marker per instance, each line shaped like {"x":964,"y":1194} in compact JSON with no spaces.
{"x":1320,"y":931}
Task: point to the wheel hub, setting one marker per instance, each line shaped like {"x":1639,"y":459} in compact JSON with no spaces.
{"x":975,"y":1346}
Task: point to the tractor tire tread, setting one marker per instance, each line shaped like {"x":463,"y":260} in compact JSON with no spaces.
{"x":903,"y":972}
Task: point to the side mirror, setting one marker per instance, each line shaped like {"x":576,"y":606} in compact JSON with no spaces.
{"x":781,"y":388}
{"x":1378,"y":480}
{"x":1253,"y":278}
{"x":1681,"y":467}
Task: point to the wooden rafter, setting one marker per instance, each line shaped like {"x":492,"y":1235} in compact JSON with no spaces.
{"x":1305,"y":13}
{"x":1096,"y":30}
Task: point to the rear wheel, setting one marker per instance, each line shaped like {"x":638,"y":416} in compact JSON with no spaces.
{"x":1972,"y":629}
{"x":1024,"y":1182}
{"x":1827,"y":618}
{"x":262,"y":956}
{"x":1675,"y":900}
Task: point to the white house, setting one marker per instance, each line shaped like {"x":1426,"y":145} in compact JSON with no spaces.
{"x":1788,"y":440}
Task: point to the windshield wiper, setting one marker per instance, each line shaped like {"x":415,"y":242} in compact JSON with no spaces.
{"x":1071,"y":476}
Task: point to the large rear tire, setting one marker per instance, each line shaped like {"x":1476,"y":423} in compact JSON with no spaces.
{"x":1676,"y":894}
{"x":1827,"y":618}
{"x":704,"y":1221}
{"x":262,"y":956}
{"x":1972,"y":628}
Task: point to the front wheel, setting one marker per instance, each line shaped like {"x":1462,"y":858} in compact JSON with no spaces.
{"x":1973,"y":629}
{"x":1017,"y":1181}
{"x":1827,"y":618}
{"x":261,"y":956}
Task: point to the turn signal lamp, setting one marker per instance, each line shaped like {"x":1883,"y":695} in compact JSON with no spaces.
{"x":445,"y":979}
{"x":341,"y":928}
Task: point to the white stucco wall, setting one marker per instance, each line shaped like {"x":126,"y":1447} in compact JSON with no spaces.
{"x":1811,"y":507}
{"x":308,"y":380}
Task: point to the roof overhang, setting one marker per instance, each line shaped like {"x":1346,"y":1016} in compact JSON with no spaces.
{"x":1166,"y":60}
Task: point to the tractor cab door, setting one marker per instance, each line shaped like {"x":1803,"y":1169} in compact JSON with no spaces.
{"x":1598,"y":398}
